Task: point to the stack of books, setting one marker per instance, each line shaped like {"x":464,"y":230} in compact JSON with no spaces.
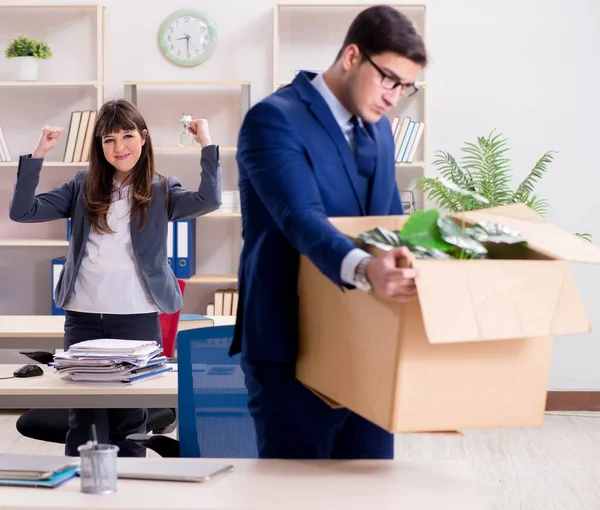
{"x":111,"y":361}
{"x":36,"y":470}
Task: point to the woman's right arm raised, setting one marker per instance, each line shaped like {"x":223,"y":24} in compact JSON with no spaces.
{"x":26,"y":206}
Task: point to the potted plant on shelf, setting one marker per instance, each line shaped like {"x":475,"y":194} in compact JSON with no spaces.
{"x":482,"y":179}
{"x":27,"y":53}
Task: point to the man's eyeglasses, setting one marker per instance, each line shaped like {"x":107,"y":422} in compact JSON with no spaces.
{"x":389,"y":83}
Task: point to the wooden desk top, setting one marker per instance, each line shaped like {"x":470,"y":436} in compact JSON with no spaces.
{"x":45,"y":332}
{"x":52,"y":326}
{"x":277,"y":485}
{"x":49,"y":390}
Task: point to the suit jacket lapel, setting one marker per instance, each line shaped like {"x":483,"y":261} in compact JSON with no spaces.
{"x":321,"y":111}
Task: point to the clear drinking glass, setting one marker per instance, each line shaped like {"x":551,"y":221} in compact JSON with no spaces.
{"x":185,"y":138}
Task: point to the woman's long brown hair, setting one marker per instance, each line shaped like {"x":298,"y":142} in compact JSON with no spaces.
{"x":115,"y":116}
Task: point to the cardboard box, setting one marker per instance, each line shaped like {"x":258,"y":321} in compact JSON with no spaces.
{"x":472,"y":351}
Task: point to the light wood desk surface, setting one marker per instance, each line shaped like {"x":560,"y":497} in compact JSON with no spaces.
{"x":47,"y":331}
{"x":277,"y":485}
{"x":49,"y":391}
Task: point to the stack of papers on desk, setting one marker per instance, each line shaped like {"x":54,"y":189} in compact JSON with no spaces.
{"x":109,"y":360}
{"x":36,"y":470}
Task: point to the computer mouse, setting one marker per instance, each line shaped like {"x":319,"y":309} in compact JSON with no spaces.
{"x":28,"y":371}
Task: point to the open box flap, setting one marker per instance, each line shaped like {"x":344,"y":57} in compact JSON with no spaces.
{"x":541,"y":235}
{"x":486,"y":300}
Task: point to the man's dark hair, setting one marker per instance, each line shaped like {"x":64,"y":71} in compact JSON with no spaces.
{"x":382,"y":28}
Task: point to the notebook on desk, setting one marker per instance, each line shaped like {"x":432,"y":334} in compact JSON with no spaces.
{"x":36,"y":470}
{"x":33,"y":467}
{"x":173,"y":470}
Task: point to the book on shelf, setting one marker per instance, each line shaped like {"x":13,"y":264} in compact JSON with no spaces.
{"x":4,"y":154}
{"x":225,"y":302}
{"x":230,"y":202}
{"x":79,"y":136}
{"x":407,"y":135}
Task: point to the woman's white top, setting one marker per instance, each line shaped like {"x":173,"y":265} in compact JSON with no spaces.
{"x":109,"y":280}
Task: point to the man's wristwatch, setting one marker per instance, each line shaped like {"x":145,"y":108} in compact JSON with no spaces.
{"x":361,"y":281}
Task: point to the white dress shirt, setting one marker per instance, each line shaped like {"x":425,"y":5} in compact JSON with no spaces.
{"x":109,"y":280}
{"x":342,"y":116}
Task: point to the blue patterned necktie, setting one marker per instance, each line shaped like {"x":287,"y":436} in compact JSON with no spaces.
{"x":365,"y":150}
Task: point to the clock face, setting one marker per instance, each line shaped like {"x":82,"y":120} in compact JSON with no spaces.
{"x":187,"y":37}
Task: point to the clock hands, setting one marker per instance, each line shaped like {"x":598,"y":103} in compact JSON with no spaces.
{"x":187,"y":41}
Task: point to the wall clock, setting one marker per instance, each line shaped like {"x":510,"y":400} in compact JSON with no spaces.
{"x":187,"y":37}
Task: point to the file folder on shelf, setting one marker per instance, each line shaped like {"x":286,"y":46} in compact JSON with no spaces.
{"x":57,"y":267}
{"x":185,"y":248}
{"x":171,"y":245}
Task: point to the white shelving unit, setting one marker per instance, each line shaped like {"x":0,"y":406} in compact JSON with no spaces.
{"x":309,"y":36}
{"x":74,"y":32}
{"x":40,"y":21}
{"x":218,"y":234}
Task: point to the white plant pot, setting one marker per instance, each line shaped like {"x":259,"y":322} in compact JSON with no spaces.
{"x":27,"y":68}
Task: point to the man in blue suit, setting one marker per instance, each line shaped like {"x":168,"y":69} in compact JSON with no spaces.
{"x":318,"y":148}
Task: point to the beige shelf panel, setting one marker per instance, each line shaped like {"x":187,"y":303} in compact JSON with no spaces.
{"x":26,"y":243}
{"x":358,"y":6}
{"x":50,"y":84}
{"x":212,"y":278}
{"x":214,"y":83}
{"x":218,"y":214}
{"x":47,"y":164}
{"x":50,"y":6}
{"x":414,"y":164}
{"x":176,"y":148}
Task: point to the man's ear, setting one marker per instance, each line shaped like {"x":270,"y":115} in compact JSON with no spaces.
{"x":351,"y":57}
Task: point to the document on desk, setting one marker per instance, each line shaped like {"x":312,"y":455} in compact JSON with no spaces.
{"x":111,"y":361}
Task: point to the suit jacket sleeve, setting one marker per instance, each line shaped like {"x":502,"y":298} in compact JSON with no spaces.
{"x":190,"y":204}
{"x":271,"y":153}
{"x":27,"y":207}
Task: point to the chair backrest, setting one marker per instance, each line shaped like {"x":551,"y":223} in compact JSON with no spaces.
{"x":213,"y":417}
{"x":169,"y":322}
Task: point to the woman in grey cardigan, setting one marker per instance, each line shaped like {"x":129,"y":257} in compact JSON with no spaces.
{"x":116,"y":278}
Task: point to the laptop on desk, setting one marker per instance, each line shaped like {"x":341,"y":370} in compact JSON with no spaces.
{"x":171,"y":470}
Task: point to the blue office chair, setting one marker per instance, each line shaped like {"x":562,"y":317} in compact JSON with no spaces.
{"x":213,"y":417}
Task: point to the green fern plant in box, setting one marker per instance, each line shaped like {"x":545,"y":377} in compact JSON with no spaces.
{"x":24,"y":47}
{"x":482,"y":178}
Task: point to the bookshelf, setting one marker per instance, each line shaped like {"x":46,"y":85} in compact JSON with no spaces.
{"x":218,"y":234}
{"x":74,"y":32}
{"x":309,"y":36}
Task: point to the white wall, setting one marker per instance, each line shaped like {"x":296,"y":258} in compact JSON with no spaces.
{"x":527,"y":68}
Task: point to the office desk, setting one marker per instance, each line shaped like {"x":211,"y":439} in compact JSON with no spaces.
{"x":48,"y":391}
{"x":45,"y":332}
{"x":277,"y":485}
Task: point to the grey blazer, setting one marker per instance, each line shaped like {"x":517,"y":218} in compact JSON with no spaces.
{"x":149,"y":245}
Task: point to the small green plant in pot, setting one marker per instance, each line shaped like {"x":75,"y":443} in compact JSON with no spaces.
{"x":482,"y":179}
{"x":27,"y":52}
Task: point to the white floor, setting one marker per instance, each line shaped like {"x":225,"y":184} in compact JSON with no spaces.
{"x":554,"y":467}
